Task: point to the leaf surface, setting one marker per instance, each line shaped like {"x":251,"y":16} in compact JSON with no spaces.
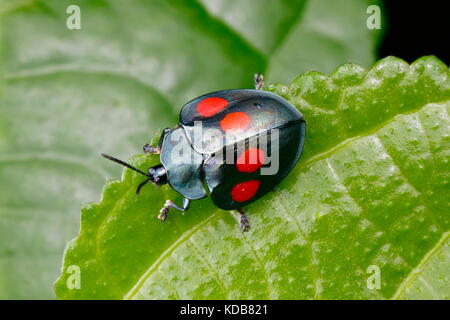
{"x":429,"y":279}
{"x":370,"y":190}
{"x":67,"y":95}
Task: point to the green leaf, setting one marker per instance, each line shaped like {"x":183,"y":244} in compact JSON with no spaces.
{"x":370,"y":190}
{"x":69,"y":94}
{"x":430,"y":279}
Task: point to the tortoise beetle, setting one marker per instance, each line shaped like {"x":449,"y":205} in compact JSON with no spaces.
{"x":253,"y":140}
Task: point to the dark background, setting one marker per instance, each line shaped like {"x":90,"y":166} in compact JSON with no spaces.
{"x":414,"y":29}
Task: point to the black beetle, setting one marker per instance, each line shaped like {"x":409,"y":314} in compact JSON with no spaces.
{"x":241,"y":142}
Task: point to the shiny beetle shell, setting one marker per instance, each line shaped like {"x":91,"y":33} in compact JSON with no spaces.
{"x":251,"y":124}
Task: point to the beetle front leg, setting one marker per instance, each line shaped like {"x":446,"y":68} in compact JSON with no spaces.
{"x":170,"y":204}
{"x":245,"y":225}
{"x":148,"y":148}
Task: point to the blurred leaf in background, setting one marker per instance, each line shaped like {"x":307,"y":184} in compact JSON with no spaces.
{"x":69,"y":94}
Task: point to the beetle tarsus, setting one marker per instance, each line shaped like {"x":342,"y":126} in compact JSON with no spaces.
{"x":163,"y":214}
{"x":170,"y":204}
{"x":245,"y":225}
{"x":148,"y":148}
{"x":258,"y":79}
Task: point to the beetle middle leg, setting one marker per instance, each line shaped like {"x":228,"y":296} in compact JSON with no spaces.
{"x":170,"y":204}
{"x":148,"y":148}
{"x":245,"y":225}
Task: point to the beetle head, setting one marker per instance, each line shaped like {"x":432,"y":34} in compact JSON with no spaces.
{"x":157,"y":175}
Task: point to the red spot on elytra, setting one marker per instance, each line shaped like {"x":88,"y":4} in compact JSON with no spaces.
{"x":210,"y":106}
{"x":250,"y":160}
{"x":245,"y":190}
{"x":235,"y":121}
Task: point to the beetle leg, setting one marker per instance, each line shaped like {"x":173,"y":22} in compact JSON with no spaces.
{"x":258,"y":79}
{"x":245,"y":225}
{"x":186,"y":203}
{"x":148,"y":148}
{"x":170,"y":204}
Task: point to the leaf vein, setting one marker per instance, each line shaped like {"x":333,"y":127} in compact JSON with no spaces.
{"x":184,"y":237}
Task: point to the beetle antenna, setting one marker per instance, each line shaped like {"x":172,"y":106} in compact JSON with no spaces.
{"x":123,"y":163}
{"x":143,"y":183}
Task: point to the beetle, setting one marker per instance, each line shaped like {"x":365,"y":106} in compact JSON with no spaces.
{"x":253,"y":139}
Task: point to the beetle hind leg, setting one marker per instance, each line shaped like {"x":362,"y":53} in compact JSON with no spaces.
{"x":258,"y":79}
{"x":170,"y":204}
{"x":245,"y":225}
